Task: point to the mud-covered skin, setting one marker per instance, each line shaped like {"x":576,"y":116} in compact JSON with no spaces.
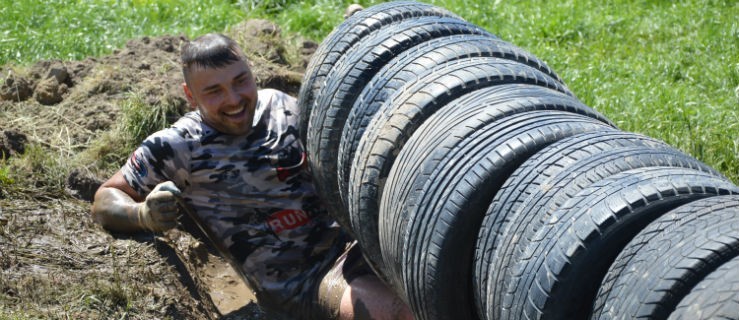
{"x":255,"y":195}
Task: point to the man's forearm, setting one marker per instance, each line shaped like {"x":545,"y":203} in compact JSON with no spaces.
{"x":116,"y":211}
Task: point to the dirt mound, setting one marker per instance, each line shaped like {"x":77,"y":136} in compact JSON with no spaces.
{"x":84,"y":97}
{"x":55,"y":261}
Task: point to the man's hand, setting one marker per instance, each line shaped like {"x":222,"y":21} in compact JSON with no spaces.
{"x":159,"y":211}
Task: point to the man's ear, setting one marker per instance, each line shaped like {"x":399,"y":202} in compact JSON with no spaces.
{"x":188,"y":95}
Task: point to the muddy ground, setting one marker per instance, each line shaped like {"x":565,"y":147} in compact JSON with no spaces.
{"x":60,"y":134}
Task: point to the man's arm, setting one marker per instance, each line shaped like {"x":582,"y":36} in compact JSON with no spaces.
{"x":118,"y":207}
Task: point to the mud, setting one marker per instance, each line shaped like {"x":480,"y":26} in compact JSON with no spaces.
{"x":55,"y":262}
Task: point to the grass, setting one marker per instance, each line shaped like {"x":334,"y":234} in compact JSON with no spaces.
{"x":108,"y":152}
{"x":74,"y":29}
{"x":35,"y":172}
{"x":140,"y":119}
{"x":667,"y":69}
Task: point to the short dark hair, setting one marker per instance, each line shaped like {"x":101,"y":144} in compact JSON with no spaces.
{"x":212,"y":50}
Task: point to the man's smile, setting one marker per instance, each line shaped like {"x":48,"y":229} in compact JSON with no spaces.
{"x":236,"y":113}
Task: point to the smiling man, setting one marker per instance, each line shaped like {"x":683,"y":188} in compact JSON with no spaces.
{"x":237,"y":162}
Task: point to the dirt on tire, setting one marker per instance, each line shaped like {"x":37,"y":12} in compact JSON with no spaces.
{"x":55,"y":261}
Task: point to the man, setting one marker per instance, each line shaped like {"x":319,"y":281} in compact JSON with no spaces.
{"x":237,"y":161}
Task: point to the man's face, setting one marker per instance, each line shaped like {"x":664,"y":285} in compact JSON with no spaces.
{"x":226,"y":96}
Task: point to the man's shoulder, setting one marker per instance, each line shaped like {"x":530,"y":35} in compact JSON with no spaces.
{"x":277,"y":103}
{"x":271,"y":92}
{"x":276,"y":98}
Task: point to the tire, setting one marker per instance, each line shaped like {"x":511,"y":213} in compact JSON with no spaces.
{"x":422,"y":57}
{"x":668,"y":258}
{"x":452,"y":186}
{"x":344,"y":36}
{"x":545,"y":182}
{"x":343,"y":84}
{"x":431,"y":53}
{"x":496,"y":102}
{"x":568,"y":257}
{"x":716,"y":297}
{"x":399,"y":115}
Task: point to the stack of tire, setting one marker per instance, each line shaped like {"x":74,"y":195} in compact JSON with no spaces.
{"x":479,"y":187}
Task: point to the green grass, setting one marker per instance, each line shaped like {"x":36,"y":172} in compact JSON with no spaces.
{"x":667,"y":69}
{"x":31,"y":30}
{"x":108,"y":152}
{"x":140,"y":119}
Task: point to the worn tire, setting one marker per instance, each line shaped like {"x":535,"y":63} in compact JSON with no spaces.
{"x":568,"y":257}
{"x":496,"y":102}
{"x":419,"y":97}
{"x":716,"y":297}
{"x":415,"y":61}
{"x":667,"y":259}
{"x":346,"y":35}
{"x":347,"y":79}
{"x":541,"y":185}
{"x":451,"y":187}
{"x":422,"y":57}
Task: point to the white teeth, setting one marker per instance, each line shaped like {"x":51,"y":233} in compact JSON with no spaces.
{"x":235,"y":112}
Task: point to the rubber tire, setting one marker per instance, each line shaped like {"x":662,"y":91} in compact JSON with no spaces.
{"x":423,"y":56}
{"x":343,"y":37}
{"x":452,"y":186}
{"x":430,"y":53}
{"x":348,"y":77}
{"x":716,"y":297}
{"x":420,"y":96}
{"x":667,"y":259}
{"x":541,"y":185}
{"x":568,"y":257}
{"x":496,"y":102}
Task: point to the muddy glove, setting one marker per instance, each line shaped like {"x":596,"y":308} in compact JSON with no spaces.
{"x":159,"y":211}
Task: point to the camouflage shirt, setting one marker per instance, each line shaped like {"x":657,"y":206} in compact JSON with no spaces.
{"x":253,"y":192}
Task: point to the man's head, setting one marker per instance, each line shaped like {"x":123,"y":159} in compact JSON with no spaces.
{"x":219,"y":83}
